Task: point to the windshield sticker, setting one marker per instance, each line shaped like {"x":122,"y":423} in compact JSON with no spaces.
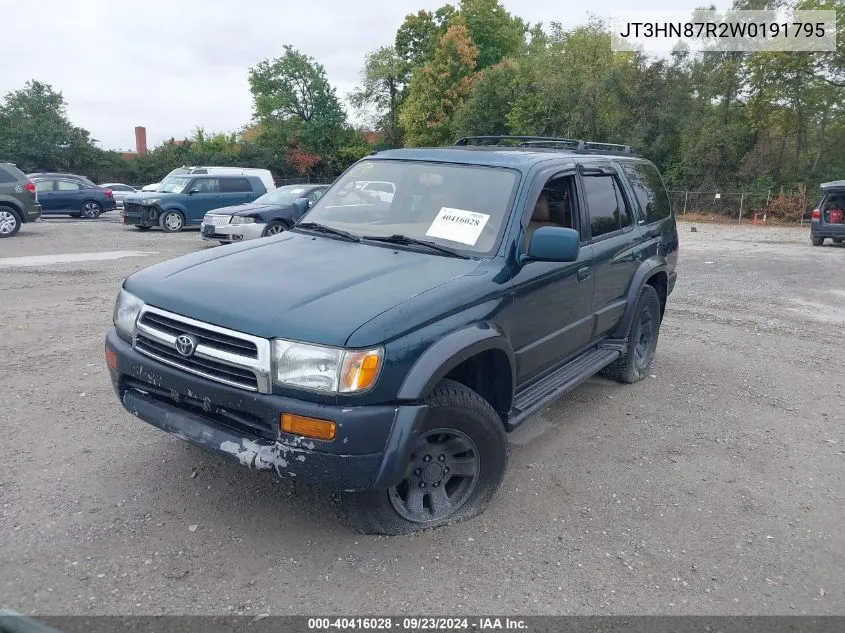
{"x":458,"y":225}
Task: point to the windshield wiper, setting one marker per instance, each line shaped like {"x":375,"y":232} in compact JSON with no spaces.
{"x":412,"y":241}
{"x":322,"y":228}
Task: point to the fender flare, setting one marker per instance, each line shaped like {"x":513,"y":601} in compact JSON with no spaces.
{"x":450,"y":351}
{"x":648,"y":269}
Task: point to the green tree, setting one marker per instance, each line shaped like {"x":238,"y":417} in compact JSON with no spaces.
{"x":495,"y":32}
{"x":417,"y":37}
{"x":36,"y":133}
{"x":383,"y":82}
{"x":438,"y":89}
{"x":494,"y":91}
{"x":294,"y":103}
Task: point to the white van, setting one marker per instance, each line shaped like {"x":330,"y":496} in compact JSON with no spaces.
{"x":264,"y":174}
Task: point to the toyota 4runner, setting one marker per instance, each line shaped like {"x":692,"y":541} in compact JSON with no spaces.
{"x":384,"y":348}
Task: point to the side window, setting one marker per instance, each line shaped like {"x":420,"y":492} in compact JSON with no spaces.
{"x":603,"y":204}
{"x":67,"y":185}
{"x":43,"y":186}
{"x":316,"y":195}
{"x":649,"y":189}
{"x":234,"y":185}
{"x":6,"y":176}
{"x":555,"y":206}
{"x":206,"y":185}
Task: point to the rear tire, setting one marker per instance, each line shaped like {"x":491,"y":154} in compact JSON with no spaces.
{"x":91,"y":210}
{"x":10,"y":221}
{"x":458,"y":462}
{"x":817,"y":240}
{"x":635,"y":362}
{"x":171,"y":221}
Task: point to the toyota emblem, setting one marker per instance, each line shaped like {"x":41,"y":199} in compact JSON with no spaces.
{"x":186,"y":345}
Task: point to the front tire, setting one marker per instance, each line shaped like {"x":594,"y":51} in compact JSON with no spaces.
{"x":817,"y":240}
{"x":91,"y":210}
{"x":10,"y":221}
{"x":635,"y":362}
{"x":457,"y":464}
{"x":274,"y":228}
{"x":172,"y":221}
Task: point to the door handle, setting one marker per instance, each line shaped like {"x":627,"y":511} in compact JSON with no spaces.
{"x":584,"y":273}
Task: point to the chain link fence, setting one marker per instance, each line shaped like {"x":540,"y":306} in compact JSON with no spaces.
{"x":781,"y":205}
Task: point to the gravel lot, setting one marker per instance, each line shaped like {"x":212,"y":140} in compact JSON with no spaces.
{"x":715,"y":487}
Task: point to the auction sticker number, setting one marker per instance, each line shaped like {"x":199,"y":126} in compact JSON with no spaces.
{"x":458,"y":225}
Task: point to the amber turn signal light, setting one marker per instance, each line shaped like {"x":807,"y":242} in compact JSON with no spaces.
{"x":308,"y":427}
{"x":111,"y":359}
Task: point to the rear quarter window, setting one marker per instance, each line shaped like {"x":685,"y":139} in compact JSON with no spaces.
{"x":649,"y":190}
{"x":7,"y":177}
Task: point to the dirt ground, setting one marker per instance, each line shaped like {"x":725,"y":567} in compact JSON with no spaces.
{"x":714,"y":487}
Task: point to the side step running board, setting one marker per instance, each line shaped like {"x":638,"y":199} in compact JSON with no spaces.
{"x":548,"y":388}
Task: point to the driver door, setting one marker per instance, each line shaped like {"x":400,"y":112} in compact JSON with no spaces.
{"x":552,"y":314}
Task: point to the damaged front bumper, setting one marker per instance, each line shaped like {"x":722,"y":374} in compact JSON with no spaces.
{"x":370,"y":449}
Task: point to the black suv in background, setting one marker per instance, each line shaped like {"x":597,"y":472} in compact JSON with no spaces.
{"x":828,"y":219}
{"x":384,"y":347}
{"x":18,"y":200}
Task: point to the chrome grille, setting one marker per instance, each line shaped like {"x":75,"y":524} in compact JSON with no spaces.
{"x":223,"y":355}
{"x":216,"y":220}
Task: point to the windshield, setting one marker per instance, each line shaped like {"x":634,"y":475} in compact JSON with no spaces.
{"x":174,"y":185}
{"x":178,"y":171}
{"x":282,"y":195}
{"x":462,"y":207}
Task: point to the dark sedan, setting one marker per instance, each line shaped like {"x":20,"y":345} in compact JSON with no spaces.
{"x":60,"y":195}
{"x":272,"y":213}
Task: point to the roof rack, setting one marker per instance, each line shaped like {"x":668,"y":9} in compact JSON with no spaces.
{"x":576,"y":145}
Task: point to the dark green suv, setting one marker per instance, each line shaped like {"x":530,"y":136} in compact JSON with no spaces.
{"x":385,"y":347}
{"x":18,"y":202}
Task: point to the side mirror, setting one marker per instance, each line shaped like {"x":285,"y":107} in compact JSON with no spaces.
{"x":301,"y":205}
{"x":553,"y":244}
{"x":193,"y":191}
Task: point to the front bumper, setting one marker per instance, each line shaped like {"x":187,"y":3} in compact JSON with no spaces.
{"x":139,"y":215}
{"x":371,"y":448}
{"x":232,"y":232}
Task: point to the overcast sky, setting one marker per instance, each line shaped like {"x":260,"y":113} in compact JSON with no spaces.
{"x":172,"y":65}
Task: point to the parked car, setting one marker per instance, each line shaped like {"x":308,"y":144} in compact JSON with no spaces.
{"x":119,"y":191}
{"x":828,"y":220}
{"x":264,"y":174}
{"x":50,"y":174}
{"x":67,"y":196}
{"x":272,"y":213}
{"x":385,"y":350}
{"x":183,"y":201}
{"x":384,"y":190}
{"x":18,"y":200}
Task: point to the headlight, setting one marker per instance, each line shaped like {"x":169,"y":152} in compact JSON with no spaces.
{"x":152,"y":202}
{"x":239,"y":219}
{"x":325,"y":369}
{"x":126,"y":310}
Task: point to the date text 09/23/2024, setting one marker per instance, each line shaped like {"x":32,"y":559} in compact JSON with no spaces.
{"x":417,"y":624}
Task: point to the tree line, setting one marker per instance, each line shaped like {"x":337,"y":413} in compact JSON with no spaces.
{"x":710,"y":120}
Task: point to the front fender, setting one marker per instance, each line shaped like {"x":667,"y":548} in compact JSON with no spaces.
{"x":449,"y":352}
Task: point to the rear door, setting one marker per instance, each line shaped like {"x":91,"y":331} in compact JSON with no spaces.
{"x":614,"y":235}
{"x":236,"y":190}
{"x":69,"y":194}
{"x":45,"y":189}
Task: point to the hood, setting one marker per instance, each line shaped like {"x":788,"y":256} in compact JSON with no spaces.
{"x":149,"y":195}
{"x":298,"y":286}
{"x":250,"y":208}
